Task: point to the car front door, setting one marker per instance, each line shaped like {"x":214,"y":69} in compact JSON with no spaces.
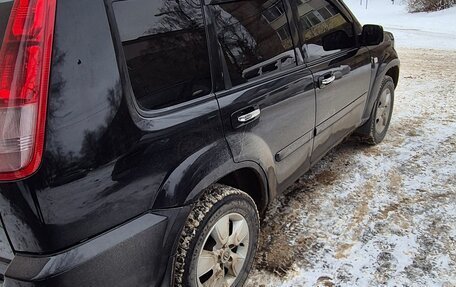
{"x":341,"y":70}
{"x":268,"y":103}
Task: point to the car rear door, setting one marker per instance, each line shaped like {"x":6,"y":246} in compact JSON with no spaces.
{"x":267,"y":102}
{"x":341,"y":70}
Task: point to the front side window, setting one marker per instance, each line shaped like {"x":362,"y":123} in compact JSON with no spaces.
{"x":324,"y":29}
{"x":255,"y":38}
{"x":165,"y":47}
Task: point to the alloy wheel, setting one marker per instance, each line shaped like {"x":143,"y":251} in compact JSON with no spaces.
{"x":224,"y":252}
{"x":383,"y":111}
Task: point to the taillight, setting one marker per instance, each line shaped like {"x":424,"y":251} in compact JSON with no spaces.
{"x":25,"y":59}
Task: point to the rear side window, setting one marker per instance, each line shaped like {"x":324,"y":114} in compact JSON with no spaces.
{"x":166,"y":52}
{"x":321,"y":22}
{"x":5,"y":10}
{"x":255,"y":38}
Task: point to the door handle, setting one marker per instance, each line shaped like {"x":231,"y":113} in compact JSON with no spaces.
{"x":249,"y":116}
{"x":326,"y":80}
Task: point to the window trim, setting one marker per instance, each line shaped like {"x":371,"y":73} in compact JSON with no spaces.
{"x":127,"y":87}
{"x":259,"y":81}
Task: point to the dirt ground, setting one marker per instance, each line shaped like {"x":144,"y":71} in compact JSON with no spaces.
{"x":376,"y":216}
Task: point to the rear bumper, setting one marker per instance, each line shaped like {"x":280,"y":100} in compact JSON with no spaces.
{"x":138,"y":253}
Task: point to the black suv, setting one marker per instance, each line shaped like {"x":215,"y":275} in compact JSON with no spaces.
{"x":142,"y":140}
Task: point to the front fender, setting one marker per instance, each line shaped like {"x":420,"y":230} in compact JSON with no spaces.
{"x":387,"y":59}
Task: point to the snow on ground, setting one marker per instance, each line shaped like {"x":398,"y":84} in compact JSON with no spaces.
{"x":436,"y":30}
{"x":376,"y":216}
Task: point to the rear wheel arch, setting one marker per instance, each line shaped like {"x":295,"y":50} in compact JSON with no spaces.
{"x":246,"y":176}
{"x":251,"y":182}
{"x":211,"y":165}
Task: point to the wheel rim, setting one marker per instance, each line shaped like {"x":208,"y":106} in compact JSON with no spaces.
{"x":383,"y":111}
{"x":224,"y":252}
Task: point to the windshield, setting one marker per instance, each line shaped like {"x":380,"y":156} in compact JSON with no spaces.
{"x":5,"y":9}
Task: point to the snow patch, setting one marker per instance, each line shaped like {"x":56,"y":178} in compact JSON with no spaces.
{"x":433,"y":30}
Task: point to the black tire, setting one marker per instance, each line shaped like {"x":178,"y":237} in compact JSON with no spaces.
{"x":217,"y":202}
{"x":370,"y":132}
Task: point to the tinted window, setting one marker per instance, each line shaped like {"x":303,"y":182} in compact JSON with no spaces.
{"x":5,"y":9}
{"x":324,"y":29}
{"x":166,"y":50}
{"x":255,"y":38}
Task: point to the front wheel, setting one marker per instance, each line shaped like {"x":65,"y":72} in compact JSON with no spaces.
{"x":218,"y":243}
{"x":378,"y":124}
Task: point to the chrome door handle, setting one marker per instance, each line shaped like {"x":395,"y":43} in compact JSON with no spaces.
{"x":328,"y":81}
{"x":249,"y":116}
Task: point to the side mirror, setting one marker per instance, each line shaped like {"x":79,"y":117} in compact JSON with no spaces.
{"x":337,"y":40}
{"x":372,"y":35}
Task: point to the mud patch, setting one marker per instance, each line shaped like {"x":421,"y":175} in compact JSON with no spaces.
{"x":326,"y":177}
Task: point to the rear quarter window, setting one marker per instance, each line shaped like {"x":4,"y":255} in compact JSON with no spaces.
{"x":165,"y":47}
{"x":5,"y":10}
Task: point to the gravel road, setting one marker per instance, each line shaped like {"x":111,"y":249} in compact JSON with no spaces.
{"x":376,"y":216}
